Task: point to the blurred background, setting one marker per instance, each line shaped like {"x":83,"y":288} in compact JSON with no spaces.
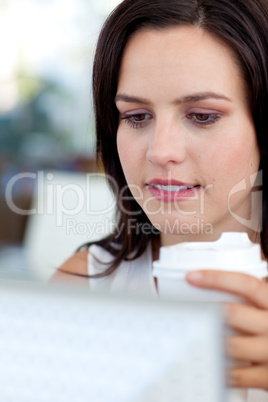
{"x":46,"y":122}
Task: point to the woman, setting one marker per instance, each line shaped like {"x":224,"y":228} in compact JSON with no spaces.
{"x":181,"y":92}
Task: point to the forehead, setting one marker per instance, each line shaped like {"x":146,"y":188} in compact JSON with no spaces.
{"x":178,"y":57}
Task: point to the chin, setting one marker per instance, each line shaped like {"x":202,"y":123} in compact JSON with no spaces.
{"x":182,"y":226}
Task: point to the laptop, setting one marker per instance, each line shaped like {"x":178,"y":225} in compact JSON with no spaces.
{"x":61,"y":343}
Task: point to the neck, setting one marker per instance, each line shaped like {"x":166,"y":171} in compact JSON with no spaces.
{"x":167,"y":239}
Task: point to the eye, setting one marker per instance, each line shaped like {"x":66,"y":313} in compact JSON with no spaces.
{"x":138,"y":120}
{"x":203,"y":119}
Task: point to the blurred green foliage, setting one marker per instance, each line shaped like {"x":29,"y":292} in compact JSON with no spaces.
{"x":33,"y":116}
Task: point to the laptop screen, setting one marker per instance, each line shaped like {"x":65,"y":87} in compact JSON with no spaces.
{"x":67,"y":344}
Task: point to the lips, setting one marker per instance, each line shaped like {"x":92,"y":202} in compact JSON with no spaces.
{"x":172,"y":190}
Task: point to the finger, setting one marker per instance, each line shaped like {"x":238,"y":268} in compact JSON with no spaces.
{"x":246,"y":318}
{"x":248,"y":377}
{"x":246,"y":286}
{"x":252,"y":349}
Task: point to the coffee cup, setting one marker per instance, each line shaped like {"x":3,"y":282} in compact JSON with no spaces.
{"x":233,"y":252}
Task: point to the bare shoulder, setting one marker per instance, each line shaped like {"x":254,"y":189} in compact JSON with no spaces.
{"x":74,"y":270}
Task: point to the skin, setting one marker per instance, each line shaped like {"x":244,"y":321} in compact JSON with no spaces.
{"x":159,"y":137}
{"x":164,"y":136}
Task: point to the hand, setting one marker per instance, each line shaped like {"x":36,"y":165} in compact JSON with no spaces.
{"x":250,"y":346}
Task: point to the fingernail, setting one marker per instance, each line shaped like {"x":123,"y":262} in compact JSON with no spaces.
{"x":195,"y":276}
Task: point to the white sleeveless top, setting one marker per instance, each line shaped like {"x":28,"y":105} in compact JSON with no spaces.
{"x":135,"y":276}
{"x":130,"y":276}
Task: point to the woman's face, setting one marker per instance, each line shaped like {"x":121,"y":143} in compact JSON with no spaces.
{"x":186,"y":138}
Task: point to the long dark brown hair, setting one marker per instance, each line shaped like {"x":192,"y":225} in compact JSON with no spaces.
{"x":241,"y":25}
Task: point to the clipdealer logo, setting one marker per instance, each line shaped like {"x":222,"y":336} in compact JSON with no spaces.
{"x":253,"y":222}
{"x":51,"y":198}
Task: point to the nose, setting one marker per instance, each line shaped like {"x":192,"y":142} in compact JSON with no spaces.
{"x":167,"y":144}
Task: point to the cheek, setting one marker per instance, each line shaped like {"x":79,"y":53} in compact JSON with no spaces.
{"x":231,"y":162}
{"x":128,"y":154}
{"x":121,"y":149}
{"x":123,"y":146}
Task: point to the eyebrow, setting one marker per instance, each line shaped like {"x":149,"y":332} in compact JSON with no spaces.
{"x":185,"y":99}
